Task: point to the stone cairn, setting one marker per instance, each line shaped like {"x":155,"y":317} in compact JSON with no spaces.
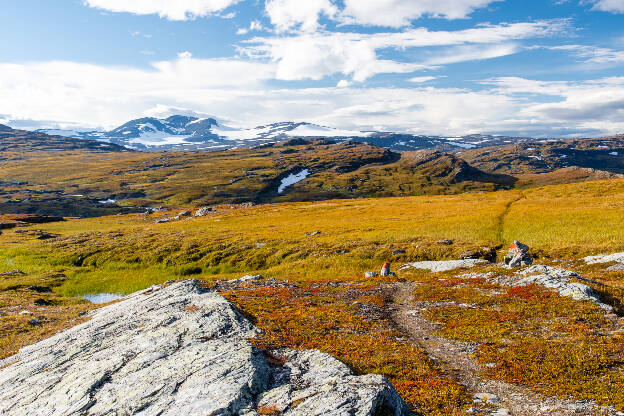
{"x":518,"y":255}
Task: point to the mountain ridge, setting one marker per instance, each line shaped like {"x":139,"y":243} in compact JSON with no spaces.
{"x":190,"y":133}
{"x":14,"y":140}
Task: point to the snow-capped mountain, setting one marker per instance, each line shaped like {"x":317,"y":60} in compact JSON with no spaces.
{"x":192,"y":133}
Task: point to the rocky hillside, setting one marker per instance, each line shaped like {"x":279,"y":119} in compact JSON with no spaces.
{"x":88,"y":184}
{"x":69,"y":180}
{"x":604,"y":154}
{"x":415,"y":173}
{"x":12,"y":140}
{"x":175,"y":349}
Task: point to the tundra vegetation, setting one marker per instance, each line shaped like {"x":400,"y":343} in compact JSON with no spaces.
{"x":321,"y":299}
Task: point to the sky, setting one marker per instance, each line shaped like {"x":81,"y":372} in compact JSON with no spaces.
{"x":541,"y":68}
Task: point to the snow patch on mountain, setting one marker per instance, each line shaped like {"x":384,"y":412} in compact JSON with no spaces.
{"x":292,"y":179}
{"x":182,"y":133}
{"x":313,"y":130}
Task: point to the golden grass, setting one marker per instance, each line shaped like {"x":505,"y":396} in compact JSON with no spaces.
{"x":125,"y":253}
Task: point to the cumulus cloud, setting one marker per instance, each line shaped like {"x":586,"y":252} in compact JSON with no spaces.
{"x":295,"y":14}
{"x":613,"y":6}
{"x":397,"y":13}
{"x":97,"y":95}
{"x":316,"y":55}
{"x":253,"y":26}
{"x":169,"y":9}
{"x":89,"y":95}
{"x":596,"y":104}
{"x":304,"y":15}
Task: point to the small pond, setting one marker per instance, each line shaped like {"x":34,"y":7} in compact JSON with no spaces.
{"x":102,"y":297}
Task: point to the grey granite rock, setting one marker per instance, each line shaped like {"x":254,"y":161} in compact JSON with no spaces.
{"x":178,"y":350}
{"x":605,"y":258}
{"x":559,"y":280}
{"x":444,"y":265}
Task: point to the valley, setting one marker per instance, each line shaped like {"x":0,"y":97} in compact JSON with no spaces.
{"x":83,"y":178}
{"x":314,"y":293}
{"x":291,"y":232}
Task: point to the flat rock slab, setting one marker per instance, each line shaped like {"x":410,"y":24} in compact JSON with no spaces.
{"x":443,"y":266}
{"x":559,"y":280}
{"x":178,"y":350}
{"x":605,"y":258}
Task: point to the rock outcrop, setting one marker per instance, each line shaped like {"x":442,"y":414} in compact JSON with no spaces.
{"x":178,"y":350}
{"x":203,"y":211}
{"x":605,"y":258}
{"x":558,"y":280}
{"x":443,"y":265}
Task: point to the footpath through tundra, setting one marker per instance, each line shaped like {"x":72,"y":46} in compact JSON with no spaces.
{"x":533,"y":330}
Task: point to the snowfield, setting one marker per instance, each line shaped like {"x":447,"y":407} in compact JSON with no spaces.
{"x":292,"y":179}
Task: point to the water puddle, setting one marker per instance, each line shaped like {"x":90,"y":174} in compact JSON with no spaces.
{"x":102,"y":297}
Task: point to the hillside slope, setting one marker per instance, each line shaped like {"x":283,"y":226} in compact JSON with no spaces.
{"x":547,"y":349}
{"x":12,"y":140}
{"x":84,"y":184}
{"x":603,"y":154}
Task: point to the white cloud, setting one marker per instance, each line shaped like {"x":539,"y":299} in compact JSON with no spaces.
{"x":170,"y":9}
{"x":296,"y":14}
{"x":592,"y":53}
{"x":343,"y":83}
{"x":613,"y":6}
{"x":316,"y":55}
{"x":253,"y":26}
{"x":89,"y":95}
{"x":397,"y":13}
{"x":419,"y":80}
{"x":465,"y":53}
{"x":101,"y":95}
{"x":289,"y":14}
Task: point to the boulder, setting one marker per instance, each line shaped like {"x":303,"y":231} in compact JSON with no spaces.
{"x":203,"y":211}
{"x":12,"y":273}
{"x":369,"y":275}
{"x":183,"y":214}
{"x":249,"y":278}
{"x":485,"y":253}
{"x":176,"y":349}
{"x":518,"y":255}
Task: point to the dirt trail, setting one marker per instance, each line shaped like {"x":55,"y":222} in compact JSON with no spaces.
{"x":500,"y":221}
{"x":455,"y":358}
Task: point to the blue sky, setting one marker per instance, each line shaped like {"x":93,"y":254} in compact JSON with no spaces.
{"x":450,"y":67}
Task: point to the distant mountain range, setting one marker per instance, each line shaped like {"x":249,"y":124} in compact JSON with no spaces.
{"x":179,"y":132}
{"x":20,"y":141}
